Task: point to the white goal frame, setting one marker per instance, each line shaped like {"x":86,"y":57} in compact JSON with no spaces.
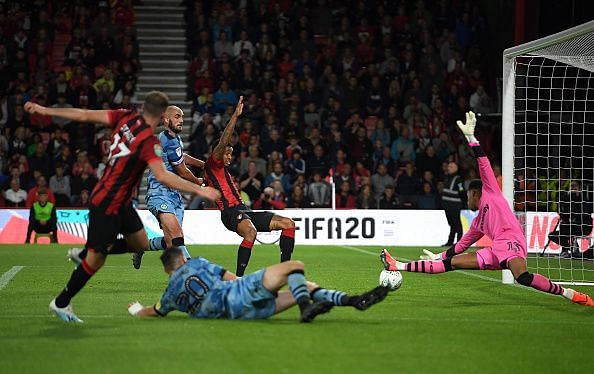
{"x":536,"y":48}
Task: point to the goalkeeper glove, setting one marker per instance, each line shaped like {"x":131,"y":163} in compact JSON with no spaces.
{"x":468,"y":127}
{"x":430,"y":255}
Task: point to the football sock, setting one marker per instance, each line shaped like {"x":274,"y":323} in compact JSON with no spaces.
{"x":179,"y":243}
{"x":77,"y":281}
{"x":157,"y":244}
{"x":540,"y":283}
{"x":425,"y":266}
{"x":450,"y":252}
{"x":287,"y":243}
{"x":243,"y":256}
{"x":339,"y":298}
{"x":298,"y":287}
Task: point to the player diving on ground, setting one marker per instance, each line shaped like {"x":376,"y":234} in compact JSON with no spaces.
{"x":206,"y":290}
{"x":496,"y":220}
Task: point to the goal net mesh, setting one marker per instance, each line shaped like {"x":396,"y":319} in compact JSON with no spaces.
{"x":553,"y":165}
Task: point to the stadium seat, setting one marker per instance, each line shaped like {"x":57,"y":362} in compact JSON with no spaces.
{"x":38,"y":235}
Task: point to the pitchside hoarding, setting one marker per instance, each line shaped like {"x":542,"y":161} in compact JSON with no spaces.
{"x":314,"y":226}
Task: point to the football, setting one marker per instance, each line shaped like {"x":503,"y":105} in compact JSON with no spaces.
{"x":390,"y":279}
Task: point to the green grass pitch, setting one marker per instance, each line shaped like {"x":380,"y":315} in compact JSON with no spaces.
{"x":455,"y":322}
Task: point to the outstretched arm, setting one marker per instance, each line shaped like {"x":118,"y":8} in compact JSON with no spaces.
{"x":136,"y":309}
{"x":73,"y":114}
{"x":173,"y":181}
{"x":228,"y":132}
{"x":485,"y":170}
{"x":192,"y":161}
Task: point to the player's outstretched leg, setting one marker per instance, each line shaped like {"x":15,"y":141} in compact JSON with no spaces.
{"x":423,"y":266}
{"x":60,"y":306}
{"x":292,"y":273}
{"x":287,"y":239}
{"x":339,"y":298}
{"x":519,"y":269}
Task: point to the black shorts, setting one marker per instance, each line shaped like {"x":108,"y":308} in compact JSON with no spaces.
{"x":232,"y":216}
{"x":104,"y":228}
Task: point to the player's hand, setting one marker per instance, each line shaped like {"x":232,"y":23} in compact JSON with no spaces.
{"x":428,"y":255}
{"x":468,"y":127}
{"x":134,"y":308}
{"x":32,"y":108}
{"x":239,"y":107}
{"x":209,"y":193}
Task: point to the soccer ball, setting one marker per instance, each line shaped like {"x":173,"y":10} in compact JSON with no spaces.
{"x":390,"y":279}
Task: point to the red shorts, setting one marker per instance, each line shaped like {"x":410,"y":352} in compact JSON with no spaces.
{"x":499,"y":253}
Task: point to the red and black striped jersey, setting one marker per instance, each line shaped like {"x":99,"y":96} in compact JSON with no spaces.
{"x":219,"y":177}
{"x":133,"y":147}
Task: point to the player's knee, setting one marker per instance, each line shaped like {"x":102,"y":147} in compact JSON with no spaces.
{"x":288,"y":223}
{"x":525,"y":279}
{"x":296,"y":265}
{"x":250,"y":234}
{"x":177,"y":242}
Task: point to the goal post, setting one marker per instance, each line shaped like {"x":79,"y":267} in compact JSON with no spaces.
{"x":548,"y":149}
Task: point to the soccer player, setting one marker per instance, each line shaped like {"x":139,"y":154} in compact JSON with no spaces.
{"x":497,"y":221}
{"x":164,"y":203}
{"x":206,"y":290}
{"x":134,"y":146}
{"x":234,"y":214}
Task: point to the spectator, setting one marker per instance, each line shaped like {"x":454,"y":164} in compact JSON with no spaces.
{"x":428,"y":161}
{"x":40,"y":160}
{"x":224,"y":97}
{"x":269,"y":201}
{"x":243,"y":44}
{"x":82,"y":200}
{"x":452,"y":199}
{"x":365,"y":199}
{"x":278,"y":175}
{"x":388,"y":199}
{"x":15,"y":197}
{"x":319,"y":192}
{"x":296,"y":165}
{"x":60,"y":184}
{"x":317,"y":162}
{"x":408,"y":184}
{"x":251,"y":181}
{"x":253,"y":156}
{"x":223,"y":45}
{"x":33,"y":194}
{"x":403,"y":148}
{"x":380,"y":180}
{"x":42,"y":218}
{"x":298,"y":198}
{"x":84,"y":181}
{"x":428,"y":200}
{"x":344,"y":199}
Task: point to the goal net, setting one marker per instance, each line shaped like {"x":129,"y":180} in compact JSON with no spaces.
{"x":548,"y":150}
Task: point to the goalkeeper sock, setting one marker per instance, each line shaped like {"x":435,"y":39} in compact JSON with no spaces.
{"x":338,"y":298}
{"x":298,"y":287}
{"x":425,"y":266}
{"x":80,"y":276}
{"x":157,"y":244}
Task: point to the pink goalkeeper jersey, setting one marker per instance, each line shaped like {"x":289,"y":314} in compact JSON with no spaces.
{"x":495,"y":218}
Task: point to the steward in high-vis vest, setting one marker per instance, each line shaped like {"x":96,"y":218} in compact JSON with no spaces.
{"x":42,"y":218}
{"x":451,"y":200}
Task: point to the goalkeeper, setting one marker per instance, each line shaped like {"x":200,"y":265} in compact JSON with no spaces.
{"x":497,"y":221}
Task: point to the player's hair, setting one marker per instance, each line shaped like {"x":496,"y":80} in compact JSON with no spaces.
{"x":171,"y":257}
{"x":155,"y":103}
{"x":476,"y":184}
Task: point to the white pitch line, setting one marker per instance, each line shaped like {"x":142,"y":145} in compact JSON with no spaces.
{"x":483,"y":277}
{"x":6,"y":277}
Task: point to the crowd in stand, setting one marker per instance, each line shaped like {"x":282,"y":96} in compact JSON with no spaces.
{"x":363,"y":94}
{"x":95,"y":67}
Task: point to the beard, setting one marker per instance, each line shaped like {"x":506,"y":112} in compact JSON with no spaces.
{"x":174,"y":129}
